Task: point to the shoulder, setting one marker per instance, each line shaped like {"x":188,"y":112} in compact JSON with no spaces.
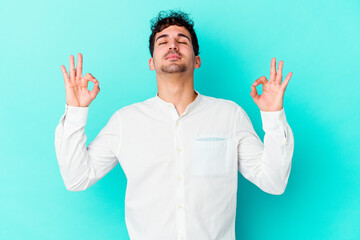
{"x":137,"y":107}
{"x":221,"y":103}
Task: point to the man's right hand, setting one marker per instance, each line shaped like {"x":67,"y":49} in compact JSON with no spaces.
{"x":76,"y":86}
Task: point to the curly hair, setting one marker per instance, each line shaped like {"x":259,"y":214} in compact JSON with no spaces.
{"x":165,"y":19}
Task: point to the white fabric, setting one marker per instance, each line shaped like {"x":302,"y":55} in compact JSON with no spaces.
{"x":181,"y":170}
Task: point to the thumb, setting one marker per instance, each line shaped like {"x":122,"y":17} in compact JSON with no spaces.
{"x":95,"y":90}
{"x":254,"y":94}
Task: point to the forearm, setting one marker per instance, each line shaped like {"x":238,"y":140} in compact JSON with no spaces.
{"x":267,"y":164}
{"x":278,"y":151}
{"x":71,"y":152}
{"x":82,"y":166}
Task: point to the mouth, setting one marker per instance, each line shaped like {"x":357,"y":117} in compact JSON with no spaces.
{"x":172,"y":56}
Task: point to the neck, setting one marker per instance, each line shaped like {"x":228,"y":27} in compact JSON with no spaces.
{"x":176,"y":88}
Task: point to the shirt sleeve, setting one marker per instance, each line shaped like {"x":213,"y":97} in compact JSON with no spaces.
{"x":267,"y":164}
{"x":82,"y":166}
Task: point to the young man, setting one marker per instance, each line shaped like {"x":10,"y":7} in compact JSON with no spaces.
{"x":180,"y":150}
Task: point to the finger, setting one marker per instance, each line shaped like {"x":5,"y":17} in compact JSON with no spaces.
{"x":85,"y":80}
{"x":262,"y":80}
{"x":89,"y":77}
{"x":279,"y":72}
{"x":65,"y":75}
{"x":72,"y":68}
{"x":79,"y":66}
{"x":254,"y":94}
{"x":272,"y":70}
{"x":95,"y":90}
{"x":286,"y":80}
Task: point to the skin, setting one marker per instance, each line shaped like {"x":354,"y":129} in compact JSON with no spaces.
{"x":175,"y":76}
{"x":273,"y":90}
{"x":76,"y":86}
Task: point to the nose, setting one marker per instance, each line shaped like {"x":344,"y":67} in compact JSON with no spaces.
{"x":173,"y":45}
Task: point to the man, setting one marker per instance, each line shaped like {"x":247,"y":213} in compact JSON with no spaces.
{"x":180,"y":150}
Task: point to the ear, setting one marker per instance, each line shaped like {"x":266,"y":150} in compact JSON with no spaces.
{"x":151,"y":64}
{"x":197,"y":62}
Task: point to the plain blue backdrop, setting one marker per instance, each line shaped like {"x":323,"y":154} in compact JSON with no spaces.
{"x":317,"y":40}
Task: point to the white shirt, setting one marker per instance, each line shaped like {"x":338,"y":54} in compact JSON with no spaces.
{"x":181,"y":170}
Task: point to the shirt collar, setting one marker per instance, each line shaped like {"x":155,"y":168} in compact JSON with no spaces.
{"x":169,"y":105}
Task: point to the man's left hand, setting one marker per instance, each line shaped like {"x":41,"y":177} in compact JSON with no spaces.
{"x":272,"y":96}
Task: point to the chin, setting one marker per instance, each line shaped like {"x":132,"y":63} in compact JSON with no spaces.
{"x":173,"y":68}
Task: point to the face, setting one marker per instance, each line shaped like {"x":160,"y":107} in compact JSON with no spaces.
{"x":173,"y":51}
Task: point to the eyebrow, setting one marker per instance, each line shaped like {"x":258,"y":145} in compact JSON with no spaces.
{"x":179,"y":35}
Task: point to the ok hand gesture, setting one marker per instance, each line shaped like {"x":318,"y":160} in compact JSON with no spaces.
{"x":272,"y":96}
{"x":76,"y":87}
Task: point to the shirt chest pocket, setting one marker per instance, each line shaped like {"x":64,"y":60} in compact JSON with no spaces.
{"x":210,"y":156}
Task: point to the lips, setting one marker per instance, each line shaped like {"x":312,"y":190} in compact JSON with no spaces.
{"x":173,"y":56}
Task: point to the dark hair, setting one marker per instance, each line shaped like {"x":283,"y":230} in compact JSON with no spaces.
{"x":171,"y":17}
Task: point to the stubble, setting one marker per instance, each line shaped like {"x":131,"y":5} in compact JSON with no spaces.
{"x":173,"y":68}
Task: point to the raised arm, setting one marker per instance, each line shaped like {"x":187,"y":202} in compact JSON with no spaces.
{"x":82,"y":166}
{"x":267,"y":164}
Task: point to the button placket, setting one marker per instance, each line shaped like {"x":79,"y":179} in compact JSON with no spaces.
{"x":173,"y":112}
{"x":180,"y":182}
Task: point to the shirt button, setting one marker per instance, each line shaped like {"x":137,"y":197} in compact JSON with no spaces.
{"x":177,"y":123}
{"x":281,"y":117}
{"x":181,"y":238}
{"x":180,"y":206}
{"x":180,"y":178}
{"x":179,"y":149}
{"x":286,"y":141}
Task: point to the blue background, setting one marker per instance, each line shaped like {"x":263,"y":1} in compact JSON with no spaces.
{"x":319,"y":42}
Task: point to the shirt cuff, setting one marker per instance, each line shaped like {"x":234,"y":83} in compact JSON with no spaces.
{"x":76,"y":114}
{"x":272,"y":120}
